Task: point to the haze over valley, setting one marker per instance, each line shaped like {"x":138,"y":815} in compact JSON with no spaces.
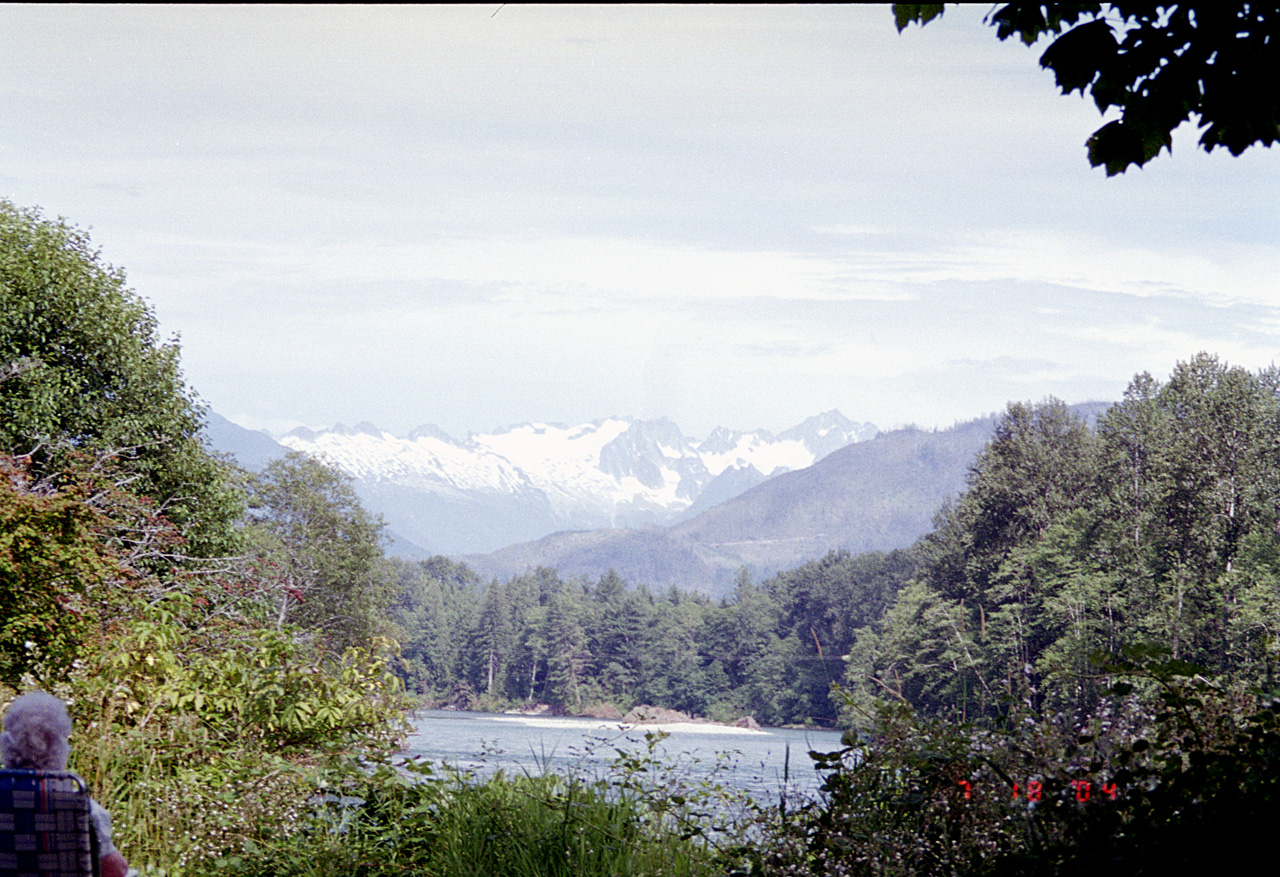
{"x":639,"y":497}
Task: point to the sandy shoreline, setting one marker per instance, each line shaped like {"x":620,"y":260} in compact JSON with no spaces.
{"x":605,"y":725}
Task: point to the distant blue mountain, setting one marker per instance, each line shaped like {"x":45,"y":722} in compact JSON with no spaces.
{"x":251,"y":450}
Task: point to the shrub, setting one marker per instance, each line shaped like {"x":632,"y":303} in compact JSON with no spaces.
{"x":1191,"y":783}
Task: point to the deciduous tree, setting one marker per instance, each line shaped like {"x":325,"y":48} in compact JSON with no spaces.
{"x":50,"y":558}
{"x":82,"y":367}
{"x":1158,"y":65}
{"x":323,"y":548}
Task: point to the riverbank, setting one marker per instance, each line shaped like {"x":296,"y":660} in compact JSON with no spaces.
{"x":759,"y":763}
{"x":641,"y":714}
{"x":669,"y":725}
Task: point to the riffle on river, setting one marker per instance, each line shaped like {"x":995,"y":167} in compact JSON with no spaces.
{"x":760,"y":763}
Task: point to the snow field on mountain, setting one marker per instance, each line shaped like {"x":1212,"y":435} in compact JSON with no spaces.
{"x":614,"y":472}
{"x":767,"y":457}
{"x":426,"y":463}
{"x":562,"y":461}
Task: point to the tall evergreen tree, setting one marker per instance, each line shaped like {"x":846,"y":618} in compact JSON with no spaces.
{"x":567,"y":654}
{"x":494,"y":637}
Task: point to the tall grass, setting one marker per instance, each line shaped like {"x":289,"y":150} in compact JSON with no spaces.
{"x":185,"y":804}
{"x":387,"y":823}
{"x":190,"y":796}
{"x":180,"y":798}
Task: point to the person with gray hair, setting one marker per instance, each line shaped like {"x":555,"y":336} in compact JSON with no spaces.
{"x":36,"y":728}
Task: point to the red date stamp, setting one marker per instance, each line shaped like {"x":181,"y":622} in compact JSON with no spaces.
{"x":1082,"y":790}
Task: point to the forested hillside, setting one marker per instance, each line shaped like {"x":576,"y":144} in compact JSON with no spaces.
{"x":771,"y":650}
{"x":1157,"y":528}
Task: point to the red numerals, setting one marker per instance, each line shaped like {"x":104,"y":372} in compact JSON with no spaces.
{"x":1082,"y":789}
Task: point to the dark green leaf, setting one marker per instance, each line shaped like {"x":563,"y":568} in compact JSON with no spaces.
{"x":922,"y":13}
{"x":1080,"y":54}
{"x":1116,"y":146}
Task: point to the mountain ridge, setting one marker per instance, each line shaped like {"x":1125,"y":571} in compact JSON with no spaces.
{"x":875,"y":495}
{"x":518,"y":483}
{"x":659,"y":516}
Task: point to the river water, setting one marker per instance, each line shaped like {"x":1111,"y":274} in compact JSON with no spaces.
{"x":760,"y":763}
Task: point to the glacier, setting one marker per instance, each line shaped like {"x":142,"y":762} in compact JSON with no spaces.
{"x":451,"y":496}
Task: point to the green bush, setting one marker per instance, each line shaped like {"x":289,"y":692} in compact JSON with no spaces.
{"x":1190,"y":783}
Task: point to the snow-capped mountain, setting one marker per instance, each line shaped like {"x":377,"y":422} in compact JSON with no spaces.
{"x":490,"y":490}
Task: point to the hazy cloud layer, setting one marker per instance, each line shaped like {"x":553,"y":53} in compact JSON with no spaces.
{"x":726,"y":215}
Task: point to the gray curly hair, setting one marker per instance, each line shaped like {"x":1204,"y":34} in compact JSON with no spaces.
{"x":36,"y":728}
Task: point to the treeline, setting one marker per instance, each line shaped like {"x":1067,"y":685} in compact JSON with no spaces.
{"x":772,"y":650}
{"x":1155,"y":528}
{"x":1158,"y":529}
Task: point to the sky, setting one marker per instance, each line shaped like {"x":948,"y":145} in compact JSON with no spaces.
{"x":486,"y":215}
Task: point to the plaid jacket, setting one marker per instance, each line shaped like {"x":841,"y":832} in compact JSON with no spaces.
{"x":45,"y":827}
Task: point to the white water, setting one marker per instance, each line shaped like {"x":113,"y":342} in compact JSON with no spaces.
{"x":760,"y":763}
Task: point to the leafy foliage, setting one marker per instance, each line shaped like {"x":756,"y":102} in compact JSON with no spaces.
{"x":81,"y":367}
{"x":1158,"y":527}
{"x":322,"y":548}
{"x":199,"y":716}
{"x":125,"y":587}
{"x":199,"y":712}
{"x":201,"y":730}
{"x":49,"y":561}
{"x":1191,"y":784}
{"x":248,"y":683}
{"x":1159,"y":65}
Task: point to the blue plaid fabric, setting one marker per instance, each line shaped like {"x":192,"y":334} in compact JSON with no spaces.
{"x":45,"y":828}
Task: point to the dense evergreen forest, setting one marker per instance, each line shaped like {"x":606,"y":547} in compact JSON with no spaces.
{"x":1075,"y":668}
{"x":771,"y":651}
{"x":1158,"y":527}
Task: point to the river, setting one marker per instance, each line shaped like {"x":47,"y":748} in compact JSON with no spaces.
{"x":761,"y":763}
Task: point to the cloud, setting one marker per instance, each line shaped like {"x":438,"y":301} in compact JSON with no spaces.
{"x":853,"y":230}
{"x":1217,"y":273}
{"x":738,"y":215}
{"x":545,"y":275}
{"x":562,"y":274}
